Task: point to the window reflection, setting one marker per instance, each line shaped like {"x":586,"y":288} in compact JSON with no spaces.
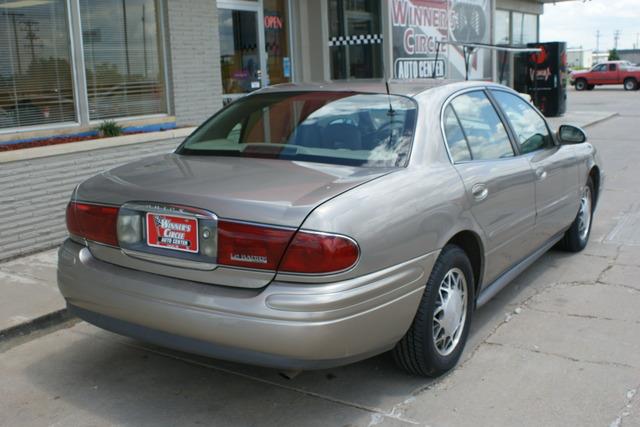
{"x":239,"y":53}
{"x":326,"y":127}
{"x":121,"y":46}
{"x":530,"y":128}
{"x":276,"y":32}
{"x":36,"y":84}
{"x":483,"y":128}
{"x":355,"y":39}
{"x":456,"y":140}
{"x":524,"y":28}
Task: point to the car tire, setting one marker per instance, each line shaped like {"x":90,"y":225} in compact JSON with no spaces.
{"x":581,"y":84}
{"x":630,"y":84}
{"x":433,"y":344}
{"x":577,"y":236}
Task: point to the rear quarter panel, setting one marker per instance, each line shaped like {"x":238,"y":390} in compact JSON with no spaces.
{"x":399,"y":217}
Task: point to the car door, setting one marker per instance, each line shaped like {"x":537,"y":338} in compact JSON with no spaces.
{"x":554,"y":166}
{"x":499,"y":184}
{"x":612,"y":75}
{"x":599,"y":75}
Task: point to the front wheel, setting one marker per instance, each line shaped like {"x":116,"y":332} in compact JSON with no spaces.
{"x":630,"y":84}
{"x":577,"y":236}
{"x":435,"y":341}
{"x":581,"y":84}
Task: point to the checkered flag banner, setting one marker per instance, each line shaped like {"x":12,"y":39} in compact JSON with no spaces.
{"x":355,"y":40}
{"x":157,"y":219}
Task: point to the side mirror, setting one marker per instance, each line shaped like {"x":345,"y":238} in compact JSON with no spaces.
{"x":568,"y":134}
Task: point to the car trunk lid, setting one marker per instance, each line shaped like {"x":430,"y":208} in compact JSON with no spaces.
{"x":263,"y":191}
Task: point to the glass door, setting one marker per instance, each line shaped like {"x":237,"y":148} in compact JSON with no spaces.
{"x":277,"y":43}
{"x":242,"y":57}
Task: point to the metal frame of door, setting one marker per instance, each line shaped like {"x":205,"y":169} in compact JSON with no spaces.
{"x":258,"y":8}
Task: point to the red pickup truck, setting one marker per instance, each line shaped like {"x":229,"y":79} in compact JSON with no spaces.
{"x":608,"y":73}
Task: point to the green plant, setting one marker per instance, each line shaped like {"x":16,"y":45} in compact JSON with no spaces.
{"x":110,"y":128}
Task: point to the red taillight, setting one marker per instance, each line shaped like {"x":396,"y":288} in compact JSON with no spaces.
{"x":262,"y":247}
{"x":93,"y":222}
{"x":251,"y":246}
{"x":319,"y":253}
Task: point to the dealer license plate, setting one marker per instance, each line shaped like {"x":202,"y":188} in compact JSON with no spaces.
{"x":179,"y":233}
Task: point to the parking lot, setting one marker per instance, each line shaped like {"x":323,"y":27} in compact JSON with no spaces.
{"x":560,"y":346}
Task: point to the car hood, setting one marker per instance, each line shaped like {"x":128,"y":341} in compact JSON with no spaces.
{"x":278,"y":192}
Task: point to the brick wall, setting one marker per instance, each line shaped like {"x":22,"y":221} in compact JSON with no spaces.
{"x":194,"y":59}
{"x":34,"y":193}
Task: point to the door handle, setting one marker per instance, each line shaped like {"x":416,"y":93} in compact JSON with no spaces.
{"x":480,"y":192}
{"x":541,"y":174}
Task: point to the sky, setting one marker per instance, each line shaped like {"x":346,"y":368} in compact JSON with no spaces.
{"x":576,"y":22}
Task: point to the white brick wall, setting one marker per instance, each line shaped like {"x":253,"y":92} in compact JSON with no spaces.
{"x":194,"y":59}
{"x":34,"y":193}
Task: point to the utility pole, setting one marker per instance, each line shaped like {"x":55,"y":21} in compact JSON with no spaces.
{"x":14,"y":25}
{"x":31,"y":28}
{"x":144,"y":41}
{"x":616,"y":37}
{"x":598,"y":41}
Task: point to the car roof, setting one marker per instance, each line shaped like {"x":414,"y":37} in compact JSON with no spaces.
{"x":410,"y":88}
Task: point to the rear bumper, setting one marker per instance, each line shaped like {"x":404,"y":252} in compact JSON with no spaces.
{"x":285,"y":325}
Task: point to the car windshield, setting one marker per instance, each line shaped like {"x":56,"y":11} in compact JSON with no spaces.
{"x":348,"y":128}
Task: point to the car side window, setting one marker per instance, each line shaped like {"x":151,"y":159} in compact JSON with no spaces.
{"x":531,"y":130}
{"x":600,"y":68}
{"x":612,"y":67}
{"x":456,"y":140}
{"x":485,"y":133}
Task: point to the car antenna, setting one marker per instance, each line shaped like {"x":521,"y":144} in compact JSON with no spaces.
{"x":391,"y":111}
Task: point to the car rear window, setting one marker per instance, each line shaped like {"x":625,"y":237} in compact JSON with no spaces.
{"x":371,"y":130}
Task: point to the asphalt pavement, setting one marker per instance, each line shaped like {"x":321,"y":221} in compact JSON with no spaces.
{"x":559,"y":347}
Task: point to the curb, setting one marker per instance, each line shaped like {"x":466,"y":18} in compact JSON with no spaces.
{"x":39,"y":323}
{"x":603,"y":119}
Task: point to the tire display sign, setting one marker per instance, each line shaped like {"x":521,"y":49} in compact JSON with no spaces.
{"x":418,"y":26}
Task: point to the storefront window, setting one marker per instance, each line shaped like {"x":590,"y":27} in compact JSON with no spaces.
{"x":276,"y":20}
{"x":502,"y":27}
{"x":36,"y":84}
{"x":503,"y":36}
{"x":122,"y":54}
{"x":524,"y":28}
{"x":355,"y":39}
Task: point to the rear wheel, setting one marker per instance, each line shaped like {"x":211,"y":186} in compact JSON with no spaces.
{"x":630,"y":84}
{"x":434,"y":342}
{"x":577,"y":236}
{"x":581,"y":84}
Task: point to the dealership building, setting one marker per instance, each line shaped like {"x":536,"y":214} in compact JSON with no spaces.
{"x":68,"y":65}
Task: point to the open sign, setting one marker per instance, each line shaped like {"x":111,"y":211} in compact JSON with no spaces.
{"x":273,"y":22}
